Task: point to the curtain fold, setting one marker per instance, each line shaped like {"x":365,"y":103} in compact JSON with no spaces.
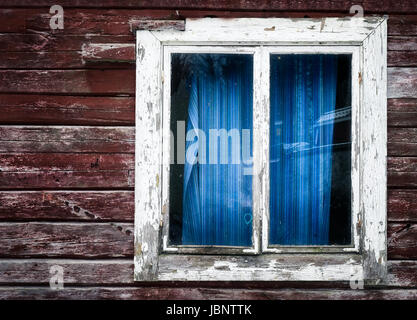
{"x":303,"y":94}
{"x":217,"y":195}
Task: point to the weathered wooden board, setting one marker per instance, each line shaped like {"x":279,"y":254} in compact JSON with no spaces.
{"x":87,"y":162}
{"x":79,"y":110}
{"x":101,"y":52}
{"x":117,"y":21}
{"x":49,"y":42}
{"x":75,"y":240}
{"x":120,"y":272}
{"x":402,"y":113}
{"x":55,"y":170}
{"x":402,"y":171}
{"x":40,"y":239}
{"x":402,"y":141}
{"x":57,"y":60}
{"x":152,"y":293}
{"x":402,"y":25}
{"x":402,"y":205}
{"x":402,"y":241}
{"x":402,"y":58}
{"x":402,"y":273}
{"x":109,"y":82}
{"x":66,"y":110}
{"x":402,"y":83}
{"x":112,"y":56}
{"x":67,"y":206}
{"x":341,"y":5}
{"x":402,"y":43}
{"x":69,"y":139}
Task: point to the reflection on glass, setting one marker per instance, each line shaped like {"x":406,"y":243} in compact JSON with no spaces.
{"x":211,"y":190}
{"x":310,"y":149}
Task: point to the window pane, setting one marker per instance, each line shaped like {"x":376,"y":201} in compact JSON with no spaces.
{"x":210,"y":181}
{"x":310,"y":149}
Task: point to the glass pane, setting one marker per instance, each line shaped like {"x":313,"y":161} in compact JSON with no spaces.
{"x":310,"y":150}
{"x":211,"y":124}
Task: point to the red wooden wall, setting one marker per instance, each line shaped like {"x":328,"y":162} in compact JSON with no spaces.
{"x":67,"y":149}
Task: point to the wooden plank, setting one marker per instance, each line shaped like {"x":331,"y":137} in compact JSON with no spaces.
{"x":121,"y":57}
{"x":402,"y":172}
{"x":169,"y":293}
{"x":402,"y":43}
{"x":402,"y":113}
{"x":54,"y":170}
{"x":102,"y":52}
{"x":67,"y":180}
{"x":341,"y":6}
{"x":402,"y":25}
{"x":402,"y":83}
{"x":402,"y":58}
{"x":155,"y":25}
{"x":402,"y":142}
{"x":32,"y":162}
{"x":108,"y":82}
{"x":117,"y":21}
{"x":402,"y":164}
{"x":402,"y":273}
{"x":116,"y":55}
{"x":66,"y":139}
{"x":402,"y":241}
{"x":120,"y":272}
{"x":402,"y":205}
{"x":66,"y":110}
{"x":67,"y":206}
{"x":373,"y":154}
{"x":71,"y":240}
{"x":49,"y":42}
{"x":57,"y":60}
{"x":148,"y":148}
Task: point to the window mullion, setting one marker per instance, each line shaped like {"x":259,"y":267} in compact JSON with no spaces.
{"x":260,"y":147}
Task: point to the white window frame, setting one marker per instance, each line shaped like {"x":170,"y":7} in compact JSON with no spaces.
{"x":365,"y":259}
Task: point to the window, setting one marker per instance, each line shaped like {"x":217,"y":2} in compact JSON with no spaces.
{"x":261,"y":150}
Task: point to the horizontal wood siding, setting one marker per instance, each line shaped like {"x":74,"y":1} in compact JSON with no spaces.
{"x":67,"y":149}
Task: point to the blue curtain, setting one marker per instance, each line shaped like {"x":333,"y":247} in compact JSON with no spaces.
{"x":303,"y":97}
{"x":217,"y":196}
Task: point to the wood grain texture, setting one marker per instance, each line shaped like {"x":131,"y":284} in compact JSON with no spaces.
{"x":50,"y":42}
{"x":402,"y":113}
{"x":120,"y":272}
{"x":151,"y":293}
{"x":108,"y":82}
{"x":71,"y":139}
{"x":402,"y":171}
{"x":117,"y":21}
{"x":402,"y":83}
{"x":402,"y":205}
{"x":66,"y":110}
{"x":102,"y":52}
{"x":113,"y":240}
{"x":402,"y":241}
{"x":70,"y":240}
{"x":67,"y":206}
{"x":316,"y":5}
{"x":402,"y":141}
{"x":54,"y":170}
